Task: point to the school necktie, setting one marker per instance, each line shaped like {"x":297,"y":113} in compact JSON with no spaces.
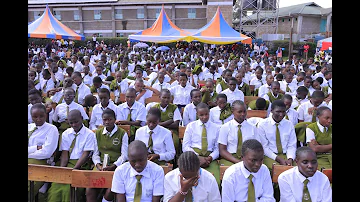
{"x":160,"y":86}
{"x":31,"y":132}
{"x":239,"y":144}
{"x":150,"y":142}
{"x":108,"y":134}
{"x":73,"y":144}
{"x":286,"y":115}
{"x":261,"y":82}
{"x":278,"y":140}
{"x":204,"y":143}
{"x":129,"y":115}
{"x":67,"y":111}
{"x":61,"y":99}
{"x":287,"y":88}
{"x":251,"y":190}
{"x":189,"y":197}
{"x":76,"y":95}
{"x":138,"y":189}
{"x":306,"y":195}
{"x":44,"y":87}
{"x":314,"y":116}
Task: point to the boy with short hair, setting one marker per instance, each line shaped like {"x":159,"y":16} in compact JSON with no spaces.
{"x":221,"y":114}
{"x":189,"y":114}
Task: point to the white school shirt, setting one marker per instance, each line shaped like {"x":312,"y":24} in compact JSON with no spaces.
{"x":132,"y":83}
{"x":102,"y":76}
{"x":189,"y":114}
{"x":310,"y":135}
{"x":147,"y":94}
{"x":85,"y":141}
{"x":233,"y":95}
{"x":60,"y":111}
{"x":228,"y":134}
{"x":78,"y":67}
{"x":88,"y":80}
{"x":266,"y":97}
{"x":49,"y":85}
{"x":174,"y":83}
{"x":153,"y":75}
{"x":297,"y":102}
{"x":215,"y":116}
{"x":124,"y":148}
{"x":59,"y":76}
{"x":292,"y":87}
{"x":193,"y":137}
{"x":162,"y":141}
{"x":124,"y":85}
{"x":292,"y":114}
{"x":218,"y":87}
{"x":207,"y":189}
{"x":291,"y":184}
{"x":152,"y":181}
{"x":47,"y":136}
{"x":164,"y":85}
{"x":267,"y":134}
{"x":303,"y":111}
{"x":257,"y":82}
{"x":330,"y":104}
{"x":235,"y":184}
{"x":96,"y":115}
{"x":301,"y":83}
{"x":254,"y":120}
{"x":83,"y":91}
{"x":263,"y":90}
{"x":181,"y":94}
{"x":138,"y":112}
{"x":327,"y":83}
{"x":57,"y":96}
{"x":211,"y":76}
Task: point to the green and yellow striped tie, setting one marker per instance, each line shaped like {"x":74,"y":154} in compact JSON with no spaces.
{"x":138,"y":189}
{"x":278,"y":140}
{"x":251,"y":190}
{"x":239,"y":145}
{"x":306,"y":195}
{"x":204,"y":143}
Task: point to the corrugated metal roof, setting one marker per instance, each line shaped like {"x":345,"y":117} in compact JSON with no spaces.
{"x":68,"y":1}
{"x":36,"y":2}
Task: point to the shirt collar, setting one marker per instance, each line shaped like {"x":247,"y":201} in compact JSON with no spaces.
{"x":112,"y":132}
{"x":301,"y":176}
{"x":155,"y":130}
{"x":82,"y":130}
{"x":192,"y":104}
{"x":200,"y":123}
{"x":144,"y":173}
{"x":272,"y":121}
{"x":235,"y":123}
{"x":245,"y":171}
{"x":163,"y":109}
{"x":241,"y":84}
{"x":40,"y":127}
{"x":322,"y":128}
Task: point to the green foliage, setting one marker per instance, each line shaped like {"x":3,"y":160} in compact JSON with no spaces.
{"x":273,"y":45}
{"x":107,"y":40}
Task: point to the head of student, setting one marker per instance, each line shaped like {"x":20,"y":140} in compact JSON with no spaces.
{"x":221,"y":100}
{"x":252,"y":155}
{"x":239,"y":110}
{"x":165,"y":97}
{"x":189,"y":165}
{"x":324,"y":115}
{"x":34,"y":96}
{"x":209,"y":84}
{"x":130,"y":96}
{"x":69,"y":95}
{"x":278,"y":109}
{"x":301,"y":92}
{"x":227,"y":74}
{"x":269,"y":79}
{"x":195,"y":96}
{"x":232,"y":83}
{"x":287,"y":99}
{"x":97,"y":82}
{"x":306,"y":161}
{"x":183,"y":79}
{"x":202,"y":111}
{"x":109,"y":118}
{"x":137,"y":155}
{"x":38,"y":114}
{"x":104,"y":96}
{"x":153,"y":117}
{"x":317,"y":98}
{"x":260,"y":104}
{"x":118,"y":76}
{"x":75,"y":120}
{"x":275,"y":88}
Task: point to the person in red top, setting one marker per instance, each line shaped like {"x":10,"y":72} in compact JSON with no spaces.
{"x":306,"y":50}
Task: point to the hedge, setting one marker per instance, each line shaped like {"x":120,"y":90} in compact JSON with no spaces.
{"x":273,"y":45}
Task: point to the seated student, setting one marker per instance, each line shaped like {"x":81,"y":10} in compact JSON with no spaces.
{"x":274,"y":93}
{"x":81,"y":89}
{"x":326,"y":89}
{"x":58,"y":96}
{"x":60,"y":116}
{"x":304,"y":182}
{"x":42,"y":140}
{"x":192,"y":78}
{"x":258,"y":80}
{"x":279,"y":77}
{"x":307,"y":110}
{"x":190,"y":182}
{"x":99,"y":72}
{"x":143,"y":92}
{"x":189,"y":114}
{"x":243,"y":86}
{"x":208,"y":95}
{"x":233,"y":133}
{"x":221,"y":82}
{"x":77,"y":144}
{"x":201,"y":137}
{"x":97,"y":84}
{"x":307,"y":83}
{"x":131,"y":113}
{"x":300,"y":97}
{"x":87,"y":76}
{"x":266,"y":88}
{"x":291,"y":114}
{"x":138,"y":75}
{"x":47,"y":82}
{"x":32,"y":75}
{"x":287,"y":86}
{"x":233,"y":93}
{"x":319,"y":137}
{"x":34,"y":97}
{"x":138,"y":179}
{"x":111,"y":140}
{"x":248,"y":180}
{"x":212,"y":74}
{"x":118,"y":85}
{"x":157,"y":139}
{"x":89,"y":102}
{"x":176,"y":80}
{"x":154,"y":76}
{"x":170,"y":116}
{"x":105,"y":103}
{"x":299,"y":80}
{"x":181,"y":92}
{"x":161,"y":84}
{"x":278,"y":136}
{"x":259,"y":104}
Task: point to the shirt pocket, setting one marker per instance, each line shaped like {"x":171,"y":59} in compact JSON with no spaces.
{"x":149,"y":189}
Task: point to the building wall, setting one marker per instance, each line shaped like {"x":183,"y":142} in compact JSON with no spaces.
{"x":311,"y":25}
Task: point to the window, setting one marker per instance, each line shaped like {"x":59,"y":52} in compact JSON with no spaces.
{"x":57,"y":15}
{"x":119,"y":34}
{"x":118,"y":14}
{"x":76,"y":15}
{"x":158,"y":10}
{"x":191,"y":13}
{"x":37,"y":14}
{"x":97,"y":15}
{"x":140,"y":13}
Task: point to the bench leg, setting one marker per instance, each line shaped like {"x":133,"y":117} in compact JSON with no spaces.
{"x":72,"y":194}
{"x":32,"y":191}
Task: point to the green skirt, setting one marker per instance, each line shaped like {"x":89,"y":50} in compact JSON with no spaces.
{"x":224,"y":162}
{"x":324,"y":161}
{"x":214,"y":167}
{"x":176,"y":140}
{"x":269,"y":162}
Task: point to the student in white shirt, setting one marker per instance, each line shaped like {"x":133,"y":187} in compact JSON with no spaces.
{"x":236,"y":183}
{"x":99,"y":72}
{"x":221,"y":114}
{"x":233,"y":93}
{"x":87,"y":76}
{"x":274,"y":93}
{"x":81,"y":90}
{"x":97,"y":85}
{"x":111,"y":140}
{"x":288,"y":86}
{"x":189,"y":182}
{"x":300,"y":97}
{"x":222,"y":84}
{"x":258,"y":80}
{"x":278,"y":136}
{"x":161,"y":84}
{"x":143,"y":91}
{"x":307,"y":110}
{"x":105,"y":103}
{"x":291,"y":114}
{"x":138,"y":171}
{"x":76,"y":146}
{"x":189,"y":114}
{"x":194,"y":135}
{"x":34,"y":97}
{"x":266,"y":88}
{"x":75,"y":63}
{"x":47,"y":82}
{"x":229,"y":142}
{"x":131,"y":113}
{"x":157,"y":139}
{"x":292,"y":182}
{"x":118,"y":85}
{"x":212,"y":74}
{"x":181,"y":92}
{"x":58,"y":97}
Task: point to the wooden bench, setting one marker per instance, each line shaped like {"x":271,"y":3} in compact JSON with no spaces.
{"x":155,"y":98}
{"x":181,"y":132}
{"x":252,"y":89}
{"x":277,"y":170}
{"x":126,"y":128}
{"x":328,"y":173}
{"x":167,"y":168}
{"x":248,"y":99}
{"x":222,"y":171}
{"x":256,"y":113}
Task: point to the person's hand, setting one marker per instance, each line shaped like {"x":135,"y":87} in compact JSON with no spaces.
{"x":99,"y":166}
{"x":314,"y":142}
{"x":289,"y":162}
{"x":209,"y":159}
{"x":110,"y":168}
{"x":153,"y":157}
{"x":204,"y":89}
{"x":280,"y":160}
{"x":311,"y":109}
{"x":202,"y":161}
{"x":186,"y":184}
{"x":38,"y":147}
{"x":211,"y":103}
{"x":118,"y":122}
{"x":90,"y":74}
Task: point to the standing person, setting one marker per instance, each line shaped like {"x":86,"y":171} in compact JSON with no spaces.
{"x":249,"y":180}
{"x":190,"y":182}
{"x":306,"y":50}
{"x":138,"y":179}
{"x":279,"y":53}
{"x":94,"y":41}
{"x":304,"y":182}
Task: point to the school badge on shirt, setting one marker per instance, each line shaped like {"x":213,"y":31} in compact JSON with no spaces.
{"x":170,"y":115}
{"x":116,"y":141}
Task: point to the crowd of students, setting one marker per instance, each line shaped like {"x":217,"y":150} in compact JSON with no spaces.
{"x":74,"y":121}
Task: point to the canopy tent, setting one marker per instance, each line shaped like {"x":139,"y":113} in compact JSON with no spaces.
{"x":162,"y":31}
{"x":325,"y":44}
{"x":47,"y":26}
{"x":218,"y":31}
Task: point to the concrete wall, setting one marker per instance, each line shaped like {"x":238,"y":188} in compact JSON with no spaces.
{"x":311,"y":25}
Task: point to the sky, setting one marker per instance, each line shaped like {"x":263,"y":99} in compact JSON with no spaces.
{"x":322,"y":3}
